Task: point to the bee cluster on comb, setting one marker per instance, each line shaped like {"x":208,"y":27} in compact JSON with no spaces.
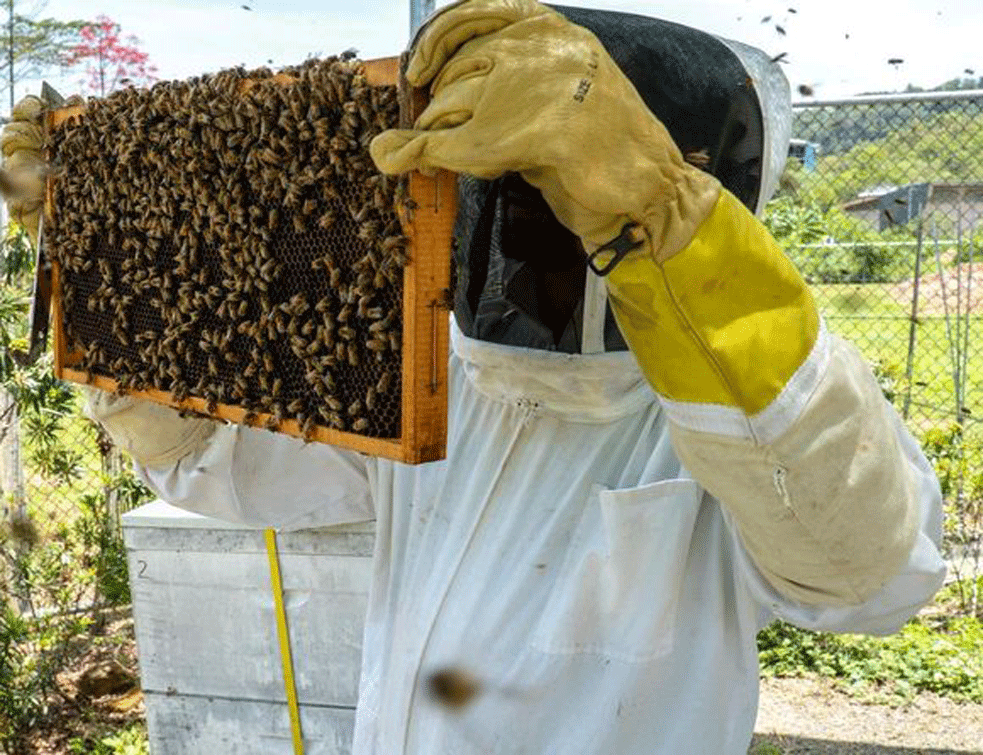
{"x":229,"y":238}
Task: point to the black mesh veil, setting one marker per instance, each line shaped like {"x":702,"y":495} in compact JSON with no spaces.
{"x":520,"y":274}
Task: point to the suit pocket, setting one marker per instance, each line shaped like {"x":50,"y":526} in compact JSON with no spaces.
{"x":618,"y":591}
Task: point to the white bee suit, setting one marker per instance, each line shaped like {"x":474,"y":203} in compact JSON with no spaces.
{"x":560,"y":554}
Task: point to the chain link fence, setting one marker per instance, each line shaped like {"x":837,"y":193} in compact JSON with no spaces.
{"x":881,"y":207}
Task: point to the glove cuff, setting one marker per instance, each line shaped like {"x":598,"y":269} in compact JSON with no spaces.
{"x":726,"y":321}
{"x":155,"y":436}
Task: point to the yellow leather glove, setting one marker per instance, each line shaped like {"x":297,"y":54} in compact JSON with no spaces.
{"x":22,"y":144}
{"x":712,"y":310}
{"x":517,"y":87}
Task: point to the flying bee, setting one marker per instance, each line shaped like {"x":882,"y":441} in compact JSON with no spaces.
{"x":453,"y":688}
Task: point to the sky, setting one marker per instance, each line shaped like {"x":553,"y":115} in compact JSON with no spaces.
{"x":834,"y":47}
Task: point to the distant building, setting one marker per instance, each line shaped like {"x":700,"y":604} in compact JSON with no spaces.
{"x":805,"y":152}
{"x":950,"y":201}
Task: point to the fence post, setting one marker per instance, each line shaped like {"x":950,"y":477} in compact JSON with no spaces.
{"x":910,"y":363}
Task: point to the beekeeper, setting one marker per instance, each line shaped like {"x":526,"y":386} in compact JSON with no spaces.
{"x":611,"y":528}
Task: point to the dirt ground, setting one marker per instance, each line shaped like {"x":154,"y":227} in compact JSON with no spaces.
{"x":936,"y":293}
{"x":99,"y":692}
{"x":811,"y":717}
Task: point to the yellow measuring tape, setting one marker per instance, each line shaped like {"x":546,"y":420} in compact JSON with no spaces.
{"x":285,"y":655}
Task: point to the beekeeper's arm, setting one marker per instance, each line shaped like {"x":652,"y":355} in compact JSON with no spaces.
{"x":778,"y":419}
{"x":234,"y":473}
{"x":237,"y":474}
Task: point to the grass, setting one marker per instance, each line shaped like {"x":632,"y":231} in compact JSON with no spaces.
{"x":875,"y":317}
{"x":766,"y":748}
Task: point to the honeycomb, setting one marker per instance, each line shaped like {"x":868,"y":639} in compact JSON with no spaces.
{"x":229,"y":238}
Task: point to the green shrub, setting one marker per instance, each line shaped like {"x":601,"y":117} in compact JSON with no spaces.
{"x":945,"y":658}
{"x":32,"y":652}
{"x":48,"y":578}
{"x":129,"y":741}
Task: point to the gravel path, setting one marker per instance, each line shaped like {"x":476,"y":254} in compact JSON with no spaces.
{"x":810,"y":717}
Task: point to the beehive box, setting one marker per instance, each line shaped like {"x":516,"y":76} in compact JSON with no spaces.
{"x":226,"y":246}
{"x":212,"y":680}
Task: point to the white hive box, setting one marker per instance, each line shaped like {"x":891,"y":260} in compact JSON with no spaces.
{"x":206,"y":632}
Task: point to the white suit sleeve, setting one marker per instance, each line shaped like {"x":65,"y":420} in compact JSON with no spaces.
{"x":836,"y":510}
{"x":782,"y":422}
{"x":254,"y":477}
{"x":887,"y":609}
{"x":237,"y":474}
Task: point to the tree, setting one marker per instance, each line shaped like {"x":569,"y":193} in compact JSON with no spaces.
{"x":34,"y":45}
{"x":111,"y":61}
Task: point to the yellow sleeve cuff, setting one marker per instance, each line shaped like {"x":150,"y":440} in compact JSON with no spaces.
{"x":726,"y":321}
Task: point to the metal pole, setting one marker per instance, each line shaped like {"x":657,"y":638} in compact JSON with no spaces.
{"x":909,"y":367}
{"x":953,"y":356}
{"x":960,"y":378}
{"x":419,"y":10}
{"x":969,"y":314}
{"x":878,"y":99}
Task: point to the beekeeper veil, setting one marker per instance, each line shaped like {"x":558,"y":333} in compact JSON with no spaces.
{"x":521,"y":277}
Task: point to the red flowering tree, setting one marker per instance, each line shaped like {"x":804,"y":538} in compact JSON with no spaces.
{"x":110,"y":60}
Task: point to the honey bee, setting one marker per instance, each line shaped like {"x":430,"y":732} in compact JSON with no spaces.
{"x":453,"y":688}
{"x":384,"y":382}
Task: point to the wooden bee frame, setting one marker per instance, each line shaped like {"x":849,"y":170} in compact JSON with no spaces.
{"x":427,"y":222}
